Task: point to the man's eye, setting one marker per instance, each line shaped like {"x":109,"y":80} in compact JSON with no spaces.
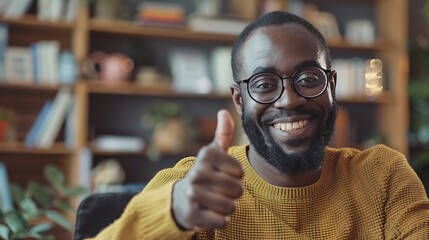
{"x":308,"y":81}
{"x":264,"y":84}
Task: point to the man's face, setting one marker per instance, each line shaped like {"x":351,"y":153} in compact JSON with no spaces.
{"x":292,"y":132}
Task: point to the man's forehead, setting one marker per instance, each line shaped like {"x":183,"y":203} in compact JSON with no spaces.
{"x":268,"y":41}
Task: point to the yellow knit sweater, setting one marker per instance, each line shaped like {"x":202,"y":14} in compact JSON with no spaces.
{"x":371,"y":194}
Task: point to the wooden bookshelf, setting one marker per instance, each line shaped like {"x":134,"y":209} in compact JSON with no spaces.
{"x":85,"y":35}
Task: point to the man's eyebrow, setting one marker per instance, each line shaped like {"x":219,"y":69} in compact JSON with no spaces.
{"x":303,"y":64}
{"x":263,"y":70}
{"x":307,"y":63}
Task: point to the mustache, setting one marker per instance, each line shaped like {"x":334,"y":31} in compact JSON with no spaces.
{"x":283,"y":113}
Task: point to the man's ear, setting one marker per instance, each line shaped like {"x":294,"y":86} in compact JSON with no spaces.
{"x":236,"y":97}
{"x":333,"y":82}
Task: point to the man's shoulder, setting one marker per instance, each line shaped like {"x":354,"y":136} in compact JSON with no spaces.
{"x":380,"y":155}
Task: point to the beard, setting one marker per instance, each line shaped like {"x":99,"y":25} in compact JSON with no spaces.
{"x":308,"y":160}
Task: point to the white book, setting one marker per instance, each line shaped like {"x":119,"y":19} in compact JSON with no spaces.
{"x":43,"y":7}
{"x":30,"y":138}
{"x":70,"y":127}
{"x":19,"y":65}
{"x":40,"y":64}
{"x":220,"y":59}
{"x":5,"y":195}
{"x":119,"y":143}
{"x":55,"y":119}
{"x":190,"y":71}
{"x":71,"y":10}
{"x":4,"y":32}
{"x":216,"y":25}
{"x":51,"y":58}
{"x":17,"y":9}
{"x":55,"y":10}
{"x":84,"y":169}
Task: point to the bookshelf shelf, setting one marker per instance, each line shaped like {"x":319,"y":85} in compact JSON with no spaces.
{"x":124,"y":28}
{"x":30,"y":87}
{"x":190,"y":151}
{"x":33,"y":22}
{"x":345,"y":45}
{"x":19,"y":148}
{"x":97,"y":87}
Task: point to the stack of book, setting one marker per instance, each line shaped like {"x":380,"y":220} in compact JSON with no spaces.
{"x":160,"y":14}
{"x":51,"y":118}
{"x":41,"y":63}
{"x":47,"y":10}
{"x":218,"y":25}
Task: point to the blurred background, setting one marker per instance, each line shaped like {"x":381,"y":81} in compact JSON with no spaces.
{"x":113,"y":91}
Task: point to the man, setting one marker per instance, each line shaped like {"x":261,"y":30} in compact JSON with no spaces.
{"x":286,"y":184}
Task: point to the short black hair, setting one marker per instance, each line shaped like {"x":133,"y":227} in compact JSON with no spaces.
{"x":274,"y":18}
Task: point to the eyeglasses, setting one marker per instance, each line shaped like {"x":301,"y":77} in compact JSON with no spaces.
{"x":268,"y":87}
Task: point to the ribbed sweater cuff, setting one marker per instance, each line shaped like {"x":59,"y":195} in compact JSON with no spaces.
{"x":155,"y":206}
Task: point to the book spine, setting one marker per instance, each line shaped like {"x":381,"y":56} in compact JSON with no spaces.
{"x":3,"y":46}
{"x":5,"y":195}
{"x":56,"y":116}
{"x":35,"y":130}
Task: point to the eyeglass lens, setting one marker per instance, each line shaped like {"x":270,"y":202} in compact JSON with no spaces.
{"x":268,"y":87}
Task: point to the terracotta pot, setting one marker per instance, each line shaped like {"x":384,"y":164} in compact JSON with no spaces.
{"x":170,"y":136}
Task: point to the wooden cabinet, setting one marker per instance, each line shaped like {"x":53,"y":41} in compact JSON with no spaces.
{"x":109,"y":109}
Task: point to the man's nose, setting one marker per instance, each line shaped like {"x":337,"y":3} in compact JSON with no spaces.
{"x":289,"y":99}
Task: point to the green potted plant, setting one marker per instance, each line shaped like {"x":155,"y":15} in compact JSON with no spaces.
{"x":169,"y":127}
{"x":39,"y":207}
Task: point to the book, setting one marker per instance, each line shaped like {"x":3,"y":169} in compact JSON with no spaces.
{"x":84,"y":169}
{"x":45,"y":61}
{"x":156,"y":13}
{"x":4,"y":32}
{"x":190,"y":72}
{"x":35,"y":130}
{"x":220,"y":59}
{"x":71,"y":9}
{"x":218,"y":25}
{"x":16,"y":9}
{"x":55,"y":118}
{"x":43,"y":7}
{"x":126,"y":187}
{"x":6,"y":203}
{"x":67,"y":69}
{"x":70,"y":127}
{"x":50,"y":57}
{"x":19,"y":65}
{"x":119,"y":143}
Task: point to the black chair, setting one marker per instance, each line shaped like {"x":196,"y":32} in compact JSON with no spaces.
{"x":97,"y":211}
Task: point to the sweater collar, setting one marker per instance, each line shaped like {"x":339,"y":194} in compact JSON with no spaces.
{"x":258,"y":186}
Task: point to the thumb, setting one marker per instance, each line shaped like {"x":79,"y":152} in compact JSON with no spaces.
{"x":224,"y":129}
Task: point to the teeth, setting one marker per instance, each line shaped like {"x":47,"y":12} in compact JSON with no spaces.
{"x":291,"y":126}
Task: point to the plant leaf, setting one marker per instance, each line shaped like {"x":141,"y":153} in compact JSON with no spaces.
{"x":29,"y":208}
{"x":74,"y":192}
{"x":39,"y":193}
{"x":17,"y":193}
{"x":39,"y":228}
{"x":4,"y":231}
{"x":59,"y":219}
{"x":63,"y":206}
{"x":16,"y":222}
{"x":54,"y":176}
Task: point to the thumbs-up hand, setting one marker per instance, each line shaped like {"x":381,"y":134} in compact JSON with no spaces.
{"x":206,"y":196}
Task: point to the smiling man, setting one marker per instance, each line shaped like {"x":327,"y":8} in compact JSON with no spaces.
{"x":286,"y":184}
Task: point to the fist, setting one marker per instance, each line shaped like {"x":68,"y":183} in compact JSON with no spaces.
{"x":207,"y":195}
